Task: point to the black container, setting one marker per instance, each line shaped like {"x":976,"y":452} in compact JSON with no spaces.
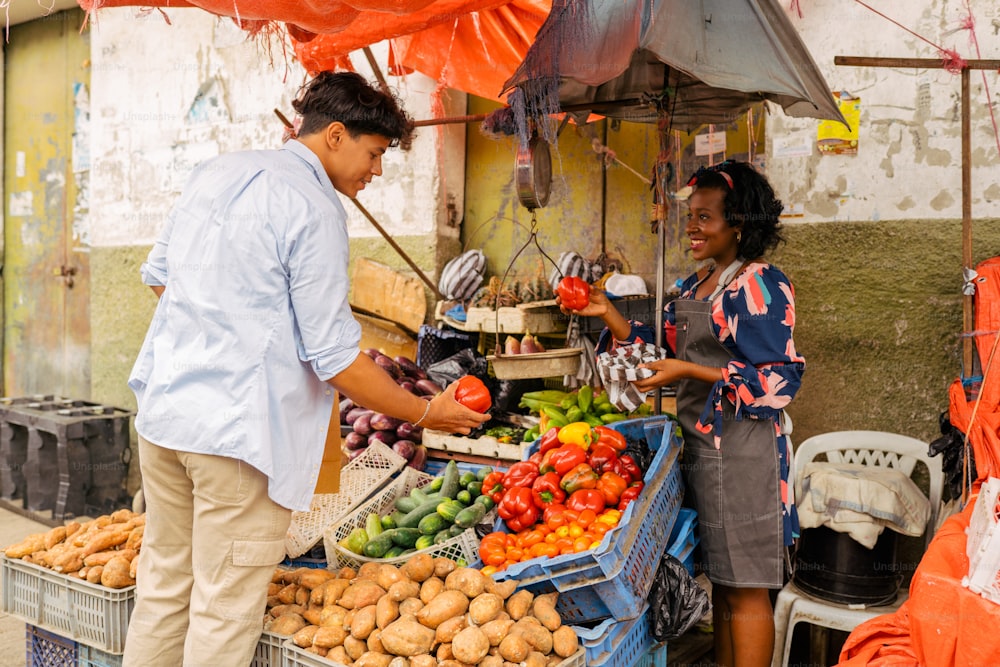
{"x":833,"y":566}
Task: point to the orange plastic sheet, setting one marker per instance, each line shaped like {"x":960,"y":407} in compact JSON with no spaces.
{"x":470,"y":45}
{"x":942,"y":622}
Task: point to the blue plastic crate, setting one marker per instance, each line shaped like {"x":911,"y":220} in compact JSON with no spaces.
{"x":683,"y":539}
{"x":92,"y":657}
{"x":613,"y":579}
{"x":435,"y":467}
{"x":47,"y":649}
{"x":654,"y":657}
{"x":616,"y":643}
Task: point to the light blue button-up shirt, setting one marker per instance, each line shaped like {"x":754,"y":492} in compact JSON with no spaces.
{"x":254,"y":318}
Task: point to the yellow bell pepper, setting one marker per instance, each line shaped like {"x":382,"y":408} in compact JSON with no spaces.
{"x":577,"y":433}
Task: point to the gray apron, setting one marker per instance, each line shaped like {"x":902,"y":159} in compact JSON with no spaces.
{"x":734,"y":488}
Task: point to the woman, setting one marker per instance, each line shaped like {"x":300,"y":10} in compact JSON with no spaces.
{"x":736,"y":368}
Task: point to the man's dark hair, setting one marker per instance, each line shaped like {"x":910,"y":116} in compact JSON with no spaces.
{"x":347,"y":97}
{"x":750,"y":204}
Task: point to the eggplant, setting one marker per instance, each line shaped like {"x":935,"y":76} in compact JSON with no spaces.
{"x":405,"y":448}
{"x":363,"y":424}
{"x":407,"y":385}
{"x":410,"y":368}
{"x":383,"y":422}
{"x":372,"y":352}
{"x":354,"y":441}
{"x":512,"y":345}
{"x":355,"y":453}
{"x":529,"y":345}
{"x":407,"y":431}
{"x":353,"y":414}
{"x":385,"y":437}
{"x":346,"y":405}
{"x":419,"y":459}
{"x":389,"y":366}
{"x":428,"y":387}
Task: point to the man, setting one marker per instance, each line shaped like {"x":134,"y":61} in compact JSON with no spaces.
{"x":235,"y":380}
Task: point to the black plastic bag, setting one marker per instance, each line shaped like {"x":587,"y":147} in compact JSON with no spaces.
{"x":464,"y":362}
{"x":676,"y":600}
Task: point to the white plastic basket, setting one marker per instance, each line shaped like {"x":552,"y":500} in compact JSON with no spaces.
{"x":464,"y":546}
{"x":983,"y":547}
{"x":358,"y":480}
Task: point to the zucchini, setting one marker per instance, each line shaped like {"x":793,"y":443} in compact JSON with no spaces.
{"x":470,"y":516}
{"x":435,"y":484}
{"x":431,"y":524}
{"x":405,"y":504}
{"x":376,"y":548}
{"x":449,"y":487}
{"x":448,"y":509}
{"x":464,"y":497}
{"x":466,"y":479}
{"x":413,"y":518}
{"x":423,"y":542}
{"x":403,"y":537}
{"x":394,"y":552}
{"x":373,"y":526}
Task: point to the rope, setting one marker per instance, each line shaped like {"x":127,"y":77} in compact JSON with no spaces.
{"x":953,"y":62}
{"x":966,"y":482}
{"x":969,"y":23}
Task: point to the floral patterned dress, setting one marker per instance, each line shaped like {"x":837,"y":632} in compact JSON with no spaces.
{"x":754,"y":318}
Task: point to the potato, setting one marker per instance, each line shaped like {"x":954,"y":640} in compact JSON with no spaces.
{"x":502,"y":588}
{"x":466,"y":579}
{"x":543,"y":608}
{"x":330,"y":636}
{"x":496,"y":630}
{"x":536,"y":659}
{"x":272,"y":588}
{"x":485,"y":608}
{"x":387,"y":575}
{"x":514,"y":648}
{"x":410,"y":606}
{"x":447,"y":630}
{"x":94,"y":574}
{"x":332,"y":615}
{"x":355,"y":647}
{"x":443,"y":653}
{"x":288,"y":624}
{"x":400,"y":661}
{"x":316,"y":650}
{"x":565,"y":642}
{"x":470,"y":645}
{"x":419,"y":567}
{"x":304,"y":637}
{"x":346,"y":573}
{"x":282,"y":609}
{"x":518,"y":605}
{"x":313,"y":615}
{"x":287,"y":594}
{"x":117,"y":573}
{"x":363,"y":622}
{"x":369,"y":570}
{"x":423,"y":660}
{"x":54,"y":536}
{"x":339,"y":654}
{"x":314,"y":578}
{"x":443,"y":567}
{"x":430,"y":589}
{"x":333,"y":590}
{"x":534,"y":633}
{"x":401,"y":590}
{"x":302,"y":596}
{"x":443,"y":607}
{"x":386,"y":611}
{"x":407,"y":637}
{"x":373,"y":659}
{"x":491,"y":661}
{"x":374,"y":641}
{"x":361,"y":593}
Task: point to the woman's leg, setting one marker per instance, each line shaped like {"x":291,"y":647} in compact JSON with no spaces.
{"x":744,"y":626}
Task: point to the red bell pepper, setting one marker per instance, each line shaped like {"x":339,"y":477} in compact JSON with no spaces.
{"x":473,"y":394}
{"x":522,"y":473}
{"x":574,"y":293}
{"x":517,"y":508}
{"x":585,"y":499}
{"x":601,"y":458}
{"x":551,"y":510}
{"x":493,"y":486}
{"x":580,"y":477}
{"x":631,"y":467}
{"x":567,"y":457}
{"x":629,"y":494}
{"x":612,"y":485}
{"x":550,"y":440}
{"x":536,"y":458}
{"x":610,"y":437}
{"x":546,"y":491}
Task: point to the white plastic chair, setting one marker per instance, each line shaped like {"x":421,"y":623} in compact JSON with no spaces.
{"x":872,"y":448}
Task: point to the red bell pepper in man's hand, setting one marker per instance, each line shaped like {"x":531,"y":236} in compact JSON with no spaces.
{"x":473,"y":394}
{"x":574,"y":293}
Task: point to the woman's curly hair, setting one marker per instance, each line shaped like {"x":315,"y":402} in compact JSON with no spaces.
{"x":750,"y":204}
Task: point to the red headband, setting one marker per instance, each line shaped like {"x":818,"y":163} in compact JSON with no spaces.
{"x":716,"y":169}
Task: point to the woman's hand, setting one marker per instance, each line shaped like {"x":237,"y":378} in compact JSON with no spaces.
{"x":598,"y":306}
{"x":669,"y":371}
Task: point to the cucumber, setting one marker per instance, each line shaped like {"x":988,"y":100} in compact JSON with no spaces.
{"x":455,"y":531}
{"x":407,"y":552}
{"x":443,"y":536}
{"x":475,"y":489}
{"x":432,"y":523}
{"x":388,"y":521}
{"x":435,"y":484}
{"x":413,"y":518}
{"x":419,"y":495}
{"x":403,"y":537}
{"x":483,"y":472}
{"x":466,"y":479}
{"x":464,"y":497}
{"x":377,"y":547}
{"x":405,"y":504}
{"x":449,"y":487}
{"x":355,"y":541}
{"x":373,"y":526}
{"x":424,"y":542}
{"x":486,"y":502}
{"x":449,"y":509}
{"x":394,"y":552}
{"x":470,"y":516}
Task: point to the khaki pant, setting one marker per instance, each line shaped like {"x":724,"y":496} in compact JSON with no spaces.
{"x":212,"y":540}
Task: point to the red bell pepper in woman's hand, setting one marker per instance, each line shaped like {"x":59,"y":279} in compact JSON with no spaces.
{"x":546,"y":491}
{"x":522,"y":473}
{"x":517,"y":508}
{"x":473,"y":394}
{"x":612,"y":485}
{"x":585,"y":499}
{"x":574,"y":293}
{"x":580,"y":477}
{"x":610,"y":437}
{"x":629,"y":494}
{"x":566,"y":458}
{"x":493,"y":486}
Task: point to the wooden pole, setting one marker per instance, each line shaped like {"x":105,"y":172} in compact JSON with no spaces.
{"x":911,"y":63}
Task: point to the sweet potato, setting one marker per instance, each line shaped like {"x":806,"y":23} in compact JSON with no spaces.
{"x":94,"y":574}
{"x":339,"y":654}
{"x":355,"y":648}
{"x":502,"y":588}
{"x":387,"y":575}
{"x":55,"y":536}
{"x":407,"y":637}
{"x":443,"y":607}
{"x":514,"y":648}
{"x":133,"y":567}
{"x":470,"y":645}
{"x":30,"y":544}
{"x":313,"y":615}
{"x":329,"y":636}
{"x":423,"y":661}
{"x":332,"y":614}
{"x":491,"y":661}
{"x":469,"y":581}
{"x":485,"y":608}
{"x":543,"y":608}
{"x":282,"y":609}
{"x":443,"y":567}
{"x":304,"y":637}
{"x":496,"y":630}
{"x":134,"y":540}
{"x":369,"y":570}
{"x":105,"y":539}
{"x":564,"y":641}
{"x":443,"y":653}
{"x":313,"y":578}
{"x":333,"y":590}
{"x":446,"y":631}
{"x":401,"y":590}
{"x":534,"y":633}
{"x":373,"y":659}
{"x":117,"y":574}
{"x":361,"y":593}
{"x":518,"y":605}
{"x":410,"y":606}
{"x":374,"y":641}
{"x":536,"y":659}
{"x":302,"y":596}
{"x":363,"y":622}
{"x":288,"y":624}
{"x":419,"y":567}
{"x":386,"y":611}
{"x":430,"y":589}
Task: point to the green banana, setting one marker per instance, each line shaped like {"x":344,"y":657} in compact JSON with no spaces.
{"x":547,"y":395}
